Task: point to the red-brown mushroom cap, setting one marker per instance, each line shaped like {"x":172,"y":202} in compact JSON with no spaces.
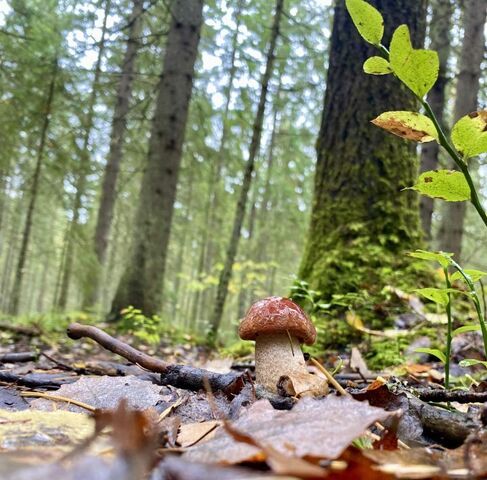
{"x":277,"y":315}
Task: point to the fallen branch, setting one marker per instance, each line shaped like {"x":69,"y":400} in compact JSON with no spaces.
{"x":433,"y":395}
{"x":179,"y":376}
{"x":20,"y":329}
{"x":17,"y":357}
{"x":48,"y":381}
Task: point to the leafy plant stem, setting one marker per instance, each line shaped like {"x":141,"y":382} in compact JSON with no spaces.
{"x":476,"y":301}
{"x":443,"y":140}
{"x":457,"y":159}
{"x":449,"y":331}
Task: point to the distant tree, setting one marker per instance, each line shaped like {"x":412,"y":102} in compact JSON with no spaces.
{"x":361,"y":221}
{"x":231,"y":253}
{"x":467,"y":89}
{"x":114,"y":158}
{"x":440,"y":35}
{"x":141,"y":283}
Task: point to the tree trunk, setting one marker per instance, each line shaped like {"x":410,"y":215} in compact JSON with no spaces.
{"x":108,"y":192}
{"x":361,"y":222}
{"x":214,"y":200}
{"x":141,"y":284}
{"x":84,"y":169}
{"x":471,"y":56}
{"x":226,"y":273}
{"x":24,"y":246}
{"x":440,"y":27}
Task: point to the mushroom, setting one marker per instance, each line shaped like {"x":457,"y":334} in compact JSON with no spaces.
{"x":278,"y":327}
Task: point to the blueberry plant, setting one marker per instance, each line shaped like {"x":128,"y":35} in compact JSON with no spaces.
{"x":418,"y":70}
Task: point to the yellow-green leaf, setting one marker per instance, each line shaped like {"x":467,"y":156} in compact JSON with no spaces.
{"x":367,"y":20}
{"x":448,"y":185}
{"x":437,"y":295}
{"x":465,"y":329}
{"x":409,"y":125}
{"x":475,"y":275}
{"x":469,"y":134}
{"x":377,"y":66}
{"x":432,"y":351}
{"x":443,"y":258}
{"x":417,"y":69}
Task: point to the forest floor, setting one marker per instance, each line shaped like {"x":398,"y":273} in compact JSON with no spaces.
{"x":73,"y":410}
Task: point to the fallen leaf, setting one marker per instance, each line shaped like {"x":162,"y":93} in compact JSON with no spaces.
{"x":319,"y":428}
{"x":192,"y":433}
{"x":303,"y":385}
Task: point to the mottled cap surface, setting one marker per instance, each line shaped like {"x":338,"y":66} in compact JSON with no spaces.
{"x":277,"y":315}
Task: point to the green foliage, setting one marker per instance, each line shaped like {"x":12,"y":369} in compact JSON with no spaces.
{"x":470,"y":362}
{"x":377,"y":66}
{"x":367,"y":19}
{"x":238,"y":349}
{"x":449,"y":185}
{"x":409,"y":125}
{"x":146,"y":329}
{"x":386,"y":353}
{"x":444,"y":259}
{"x":417,"y":69}
{"x":473,"y":275}
{"x":435,"y":352}
{"x":437,"y":295}
{"x":469,"y":134}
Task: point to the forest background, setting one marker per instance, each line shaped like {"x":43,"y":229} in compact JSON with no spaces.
{"x":191,"y":195}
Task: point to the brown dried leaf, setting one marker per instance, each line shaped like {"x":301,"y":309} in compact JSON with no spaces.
{"x":314,"y":428}
{"x":192,"y":433}
{"x":303,"y":385}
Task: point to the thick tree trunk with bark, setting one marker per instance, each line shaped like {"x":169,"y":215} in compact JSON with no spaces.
{"x":440,"y":27}
{"x":84,"y":170}
{"x":141,"y":284}
{"x":361,"y":221}
{"x":471,"y":56}
{"x":108,"y":192}
{"x":24,"y":246}
{"x":226,"y":273}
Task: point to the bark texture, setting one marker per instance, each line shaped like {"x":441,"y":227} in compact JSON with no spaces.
{"x":471,"y":56}
{"x":232,"y":248}
{"x":112,"y":169}
{"x":440,"y":27}
{"x":34,"y":189}
{"x":84,"y":170}
{"x":361,"y":221}
{"x":141,"y":283}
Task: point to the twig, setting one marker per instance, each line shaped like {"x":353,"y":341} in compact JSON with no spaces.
{"x":460,"y":396}
{"x":58,"y":398}
{"x":179,"y":376}
{"x":18,"y":357}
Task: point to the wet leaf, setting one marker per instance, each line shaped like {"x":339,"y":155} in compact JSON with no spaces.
{"x":104,"y":393}
{"x":469,"y":134}
{"x":449,"y":185}
{"x":314,"y":428}
{"x":408,"y":125}
{"x":437,"y":295}
{"x":470,"y":362}
{"x":377,"y":66}
{"x":367,"y":20}
{"x":475,"y":275}
{"x":417,"y":69}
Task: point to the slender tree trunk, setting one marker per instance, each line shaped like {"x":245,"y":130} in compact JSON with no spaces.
{"x":142,"y":282}
{"x":43,"y":284}
{"x":34,"y":190}
{"x":84,"y":170}
{"x":108,"y":192}
{"x":471,"y":56}
{"x":361,"y":222}
{"x":440,"y":27}
{"x":214,"y":200}
{"x":226,"y":273}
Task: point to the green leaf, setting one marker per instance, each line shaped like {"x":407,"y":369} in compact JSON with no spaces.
{"x":408,"y":125}
{"x":437,"y":295}
{"x":417,"y":69}
{"x":465,"y":328}
{"x":443,"y":258}
{"x":377,"y":66}
{"x":432,"y":351}
{"x":367,"y":20}
{"x":469,"y":134}
{"x":449,"y":185}
{"x":469,"y":362}
{"x":475,"y":275}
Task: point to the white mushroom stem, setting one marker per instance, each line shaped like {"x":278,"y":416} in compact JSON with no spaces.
{"x":277,"y":355}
